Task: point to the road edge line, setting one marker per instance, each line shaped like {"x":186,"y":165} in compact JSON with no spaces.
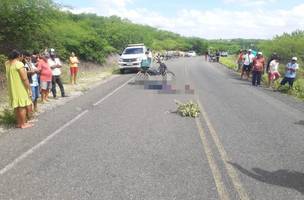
{"x":40,"y":144}
{"x":112,"y":93}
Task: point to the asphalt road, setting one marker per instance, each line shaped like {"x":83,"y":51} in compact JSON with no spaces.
{"x":121,"y":141}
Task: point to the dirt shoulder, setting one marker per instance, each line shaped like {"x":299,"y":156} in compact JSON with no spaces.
{"x":90,"y":76}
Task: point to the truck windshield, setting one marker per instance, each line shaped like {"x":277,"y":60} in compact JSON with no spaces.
{"x":134,"y":51}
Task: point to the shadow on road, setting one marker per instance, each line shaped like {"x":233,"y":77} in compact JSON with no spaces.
{"x":284,"y":178}
{"x":301,"y":122}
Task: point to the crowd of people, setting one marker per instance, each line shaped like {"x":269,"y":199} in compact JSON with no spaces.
{"x":34,"y":76}
{"x":212,"y":57}
{"x":255,"y":65}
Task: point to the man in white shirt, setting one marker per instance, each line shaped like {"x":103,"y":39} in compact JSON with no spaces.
{"x":55,"y":65}
{"x":290,"y":73}
{"x":247,"y":60}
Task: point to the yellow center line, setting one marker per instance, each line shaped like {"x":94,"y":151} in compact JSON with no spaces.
{"x":218,"y":179}
{"x":224,"y":156}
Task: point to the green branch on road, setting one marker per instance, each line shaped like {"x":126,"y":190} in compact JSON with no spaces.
{"x":188,"y":109}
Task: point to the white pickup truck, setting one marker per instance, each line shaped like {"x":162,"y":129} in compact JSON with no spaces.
{"x":132,"y":57}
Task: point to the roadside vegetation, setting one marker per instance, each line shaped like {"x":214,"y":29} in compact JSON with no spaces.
{"x":298,"y":88}
{"x":286,"y":46}
{"x":7,"y":118}
{"x":232,"y":46}
{"x":37,"y":24}
{"x":229,"y":61}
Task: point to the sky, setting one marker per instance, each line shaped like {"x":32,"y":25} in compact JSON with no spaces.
{"x":217,"y":19}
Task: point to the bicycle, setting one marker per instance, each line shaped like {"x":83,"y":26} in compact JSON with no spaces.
{"x":162,"y":71}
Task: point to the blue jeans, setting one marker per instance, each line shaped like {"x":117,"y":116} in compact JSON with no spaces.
{"x":35,"y":92}
{"x":256,"y":78}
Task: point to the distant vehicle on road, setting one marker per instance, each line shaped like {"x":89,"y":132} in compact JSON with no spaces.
{"x":132,"y":57}
{"x":191,"y":54}
{"x":224,"y":53}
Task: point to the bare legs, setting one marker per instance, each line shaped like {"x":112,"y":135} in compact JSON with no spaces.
{"x":35,"y":106}
{"x":73,"y":79}
{"x":247,"y":74}
{"x":21,"y":116}
{"x":29,"y":112}
{"x":44,"y":95}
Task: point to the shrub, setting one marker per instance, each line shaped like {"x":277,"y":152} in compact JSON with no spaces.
{"x":298,"y":88}
{"x":2,"y":61}
{"x":229,"y":62}
{"x":7,"y":118}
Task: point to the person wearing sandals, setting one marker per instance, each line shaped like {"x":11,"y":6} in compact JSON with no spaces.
{"x":273,"y":71}
{"x":73,"y":68}
{"x":258,"y":67}
{"x":290,"y":74}
{"x":19,"y":89}
{"x":45,"y":77}
{"x":247,"y":64}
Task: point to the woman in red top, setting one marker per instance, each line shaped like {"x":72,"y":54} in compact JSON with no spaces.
{"x":45,"y":77}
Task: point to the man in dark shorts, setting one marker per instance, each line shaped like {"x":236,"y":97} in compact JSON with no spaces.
{"x":248,"y":60}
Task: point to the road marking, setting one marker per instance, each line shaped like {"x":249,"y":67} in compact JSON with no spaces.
{"x":230,"y":170}
{"x":40,"y":144}
{"x":113,"y":92}
{"x":224,"y":156}
{"x":218,"y":179}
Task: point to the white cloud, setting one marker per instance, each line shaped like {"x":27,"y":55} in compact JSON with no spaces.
{"x":249,"y":2}
{"x":216,"y":23}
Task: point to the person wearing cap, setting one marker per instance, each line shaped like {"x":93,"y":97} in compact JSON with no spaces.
{"x":290,"y":73}
{"x":258,"y":69}
{"x":55,"y":65}
{"x":248,"y":60}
